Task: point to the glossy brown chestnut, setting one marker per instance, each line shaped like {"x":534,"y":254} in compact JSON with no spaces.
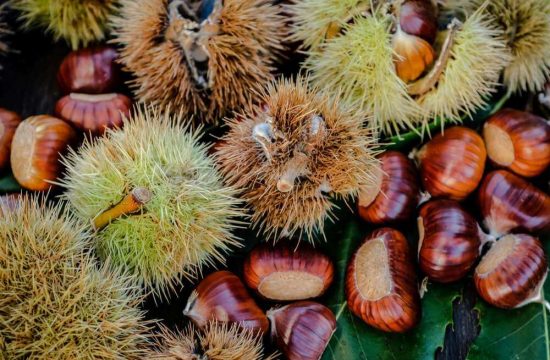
{"x":449,"y":240}
{"x":508,"y":204}
{"x":394,"y":197}
{"x":452,"y":163}
{"x":419,"y":18}
{"x":8,"y":123}
{"x":381,"y":285}
{"x":518,"y":141}
{"x":286,"y":272}
{"x":222,"y":296}
{"x":94,"y":113}
{"x":302,"y":329}
{"x":512,"y":272}
{"x":91,"y":71}
{"x":36,"y":150}
{"x":413,"y":55}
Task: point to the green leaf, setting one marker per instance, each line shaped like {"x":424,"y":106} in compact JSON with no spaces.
{"x":409,"y":138}
{"x":9,"y":184}
{"x":522,"y":333}
{"x":354,"y":340}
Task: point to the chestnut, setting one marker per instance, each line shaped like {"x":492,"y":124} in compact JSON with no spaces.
{"x":92,"y":70}
{"x":8,"y":123}
{"x":413,"y":55}
{"x":302,"y":330}
{"x":94,"y":113}
{"x":508,"y":204}
{"x":288,"y":272}
{"x":452,"y":163}
{"x":419,"y":18}
{"x":449,"y":240}
{"x":518,"y":141}
{"x":394,"y":197}
{"x":512,"y":272}
{"x":381,"y":284}
{"x":223,"y":297}
{"x":36,"y":150}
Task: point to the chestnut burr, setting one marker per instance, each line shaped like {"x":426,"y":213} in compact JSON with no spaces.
{"x":419,"y":18}
{"x":452,"y":163}
{"x":94,"y":113}
{"x":394,"y":197}
{"x":518,"y":141}
{"x":512,"y":272}
{"x":91,"y":71}
{"x":8,"y":123}
{"x":287,"y":272}
{"x":381,"y":284}
{"x":222,"y":296}
{"x":36,"y":150}
{"x":449,"y":240}
{"x":508,"y":204}
{"x":302,"y":330}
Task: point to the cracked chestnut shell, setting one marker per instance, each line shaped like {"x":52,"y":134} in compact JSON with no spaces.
{"x":94,"y":113}
{"x":508,"y":204}
{"x":288,"y":272}
{"x":512,"y":272}
{"x":452,"y":163}
{"x":302,"y":330}
{"x":449,"y":240}
{"x":36,"y":150}
{"x":394,"y":196}
{"x":518,"y":141}
{"x":8,"y":123}
{"x":92,"y":71}
{"x":223,"y":297}
{"x":381,"y":284}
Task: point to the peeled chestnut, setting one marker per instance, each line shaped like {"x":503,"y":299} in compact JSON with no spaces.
{"x":302,"y":330}
{"x":91,"y":71}
{"x":394,"y":196}
{"x":8,"y":123}
{"x":285,"y":272}
{"x":449,"y":240}
{"x":518,"y":141}
{"x":222,"y":296}
{"x":508,"y":203}
{"x":36,"y":149}
{"x":94,"y":113}
{"x":381,"y":285}
{"x":512,"y":272}
{"x":419,"y":18}
{"x":452,"y":163}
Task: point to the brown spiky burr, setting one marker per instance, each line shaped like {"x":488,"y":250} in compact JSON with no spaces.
{"x":293,"y":155}
{"x":203,"y":57}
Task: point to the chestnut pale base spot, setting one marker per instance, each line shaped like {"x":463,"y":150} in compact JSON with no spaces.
{"x":497,"y":254}
{"x":367,"y":194}
{"x":25,"y":143}
{"x":372,"y":270}
{"x":498,"y":142}
{"x":291,"y":285}
{"x":92,"y":98}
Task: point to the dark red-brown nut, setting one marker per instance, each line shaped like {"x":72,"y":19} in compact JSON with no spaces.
{"x":36,"y":150}
{"x":394,"y":197}
{"x":512,"y":272}
{"x":452,"y":164}
{"x":302,"y":330}
{"x":94,"y":113}
{"x":518,"y":141}
{"x":449,"y":240}
{"x":91,"y":71}
{"x":222,"y":296}
{"x":419,"y":17}
{"x":381,"y":284}
{"x":287,"y":272}
{"x":508,"y":204}
{"x":8,"y":123}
